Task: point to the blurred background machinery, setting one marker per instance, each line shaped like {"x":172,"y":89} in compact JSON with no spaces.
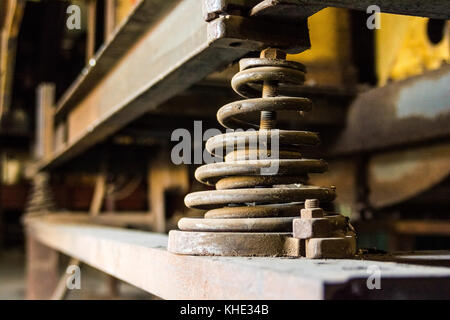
{"x":87,"y":114}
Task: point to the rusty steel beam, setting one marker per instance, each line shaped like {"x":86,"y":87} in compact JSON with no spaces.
{"x":438,"y":9}
{"x":298,"y":9}
{"x":144,"y":15}
{"x":268,"y":9}
{"x":176,"y":51}
{"x":141,"y":259}
{"x":415,"y":110}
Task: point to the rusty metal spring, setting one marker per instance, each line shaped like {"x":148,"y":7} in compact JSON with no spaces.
{"x":242,"y":190}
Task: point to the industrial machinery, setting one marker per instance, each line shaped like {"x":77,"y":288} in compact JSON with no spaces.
{"x":102,"y":164}
{"x":262,"y":184}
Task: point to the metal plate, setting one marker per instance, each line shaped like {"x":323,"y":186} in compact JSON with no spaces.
{"x":233,"y":243}
{"x":283,"y":224}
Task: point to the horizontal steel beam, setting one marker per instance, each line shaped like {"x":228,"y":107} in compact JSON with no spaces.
{"x":415,"y":110}
{"x":141,"y":259}
{"x":175,"y":52}
{"x":439,"y":9}
{"x":145,"y":14}
{"x":298,"y":9}
{"x":268,"y":9}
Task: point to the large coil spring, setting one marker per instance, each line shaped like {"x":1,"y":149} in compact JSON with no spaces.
{"x":245,"y":198}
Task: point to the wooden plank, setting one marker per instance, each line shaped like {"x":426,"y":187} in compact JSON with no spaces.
{"x":140,"y":258}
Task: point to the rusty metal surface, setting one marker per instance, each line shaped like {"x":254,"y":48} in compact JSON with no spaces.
{"x":400,"y":175}
{"x":290,"y":10}
{"x":326,"y":237}
{"x":438,"y":9}
{"x":283,"y":224}
{"x":214,"y":8}
{"x":109,"y":103}
{"x":228,"y":115}
{"x":410,"y":111}
{"x":305,"y":228}
{"x":301,"y":9}
{"x":269,"y":72}
{"x":218,"y":198}
{"x":144,"y":14}
{"x":141,"y":259}
{"x":329,"y":105}
{"x":231,"y":243}
{"x":286,"y":138}
{"x":261,"y":211}
{"x":240,"y":181}
{"x":331,"y":248}
{"x":240,"y":33}
{"x":212,"y":173}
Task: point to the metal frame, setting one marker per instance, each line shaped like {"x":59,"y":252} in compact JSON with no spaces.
{"x":160,"y":65}
{"x":438,"y":9}
{"x":141,"y":259}
{"x":100,"y":103}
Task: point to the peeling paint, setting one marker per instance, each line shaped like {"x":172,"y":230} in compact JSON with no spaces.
{"x":425,"y":98}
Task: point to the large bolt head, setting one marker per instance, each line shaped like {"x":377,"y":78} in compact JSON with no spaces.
{"x":311,"y":213}
{"x":273,"y":53}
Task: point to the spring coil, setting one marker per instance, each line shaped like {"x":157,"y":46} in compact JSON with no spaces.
{"x":243,"y":191}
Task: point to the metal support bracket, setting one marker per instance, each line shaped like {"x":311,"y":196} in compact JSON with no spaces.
{"x":281,"y":10}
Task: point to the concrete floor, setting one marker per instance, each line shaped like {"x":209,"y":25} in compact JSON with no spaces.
{"x":12,"y":275}
{"x":94,"y":284}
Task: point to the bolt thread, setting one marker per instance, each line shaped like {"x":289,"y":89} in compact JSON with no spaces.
{"x":312,"y":203}
{"x":268,"y":118}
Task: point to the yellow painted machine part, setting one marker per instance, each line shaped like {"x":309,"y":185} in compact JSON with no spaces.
{"x":10,"y":20}
{"x":123,"y":9}
{"x":404,"y":50}
{"x":325,"y":29}
{"x":328,"y":60}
